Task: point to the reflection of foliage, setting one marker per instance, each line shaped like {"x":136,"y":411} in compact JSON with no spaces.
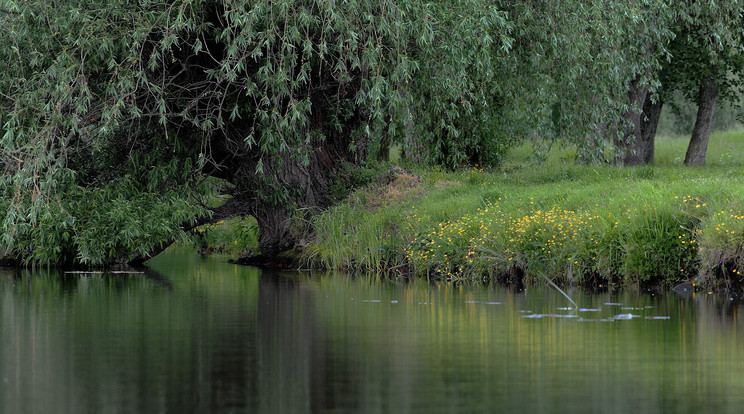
{"x":127,"y":337}
{"x":243,"y":341}
{"x":450,"y":344}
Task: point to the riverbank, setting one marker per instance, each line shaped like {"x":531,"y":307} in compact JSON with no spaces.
{"x":629,"y":227}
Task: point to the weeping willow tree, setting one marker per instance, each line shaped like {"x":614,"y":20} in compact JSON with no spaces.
{"x":706,"y":62}
{"x":117,"y":114}
{"x":582,"y":69}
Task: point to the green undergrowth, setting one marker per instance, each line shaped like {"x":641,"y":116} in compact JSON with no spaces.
{"x":641,"y":226}
{"x":235,"y":237}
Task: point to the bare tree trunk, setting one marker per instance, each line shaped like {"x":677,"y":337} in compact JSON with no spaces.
{"x":649,"y":122}
{"x":632,"y":145}
{"x":707,"y":101}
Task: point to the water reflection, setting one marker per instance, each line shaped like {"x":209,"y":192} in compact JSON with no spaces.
{"x":194,"y":335}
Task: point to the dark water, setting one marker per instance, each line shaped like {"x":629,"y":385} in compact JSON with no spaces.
{"x":197,"y":335}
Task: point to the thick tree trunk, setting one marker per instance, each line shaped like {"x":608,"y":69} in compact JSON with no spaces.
{"x":633,"y":149}
{"x":285,"y":219}
{"x":707,"y":101}
{"x":275,"y":232}
{"x":650,"y":120}
{"x":281,"y":226}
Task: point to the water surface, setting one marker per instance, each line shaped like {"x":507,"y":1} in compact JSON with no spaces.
{"x":201,"y":335}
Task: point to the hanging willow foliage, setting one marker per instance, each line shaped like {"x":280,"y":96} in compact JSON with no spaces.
{"x":115,"y":112}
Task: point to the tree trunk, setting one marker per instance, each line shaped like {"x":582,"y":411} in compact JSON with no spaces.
{"x":281,"y":226}
{"x":275,"y":232}
{"x":291,"y":190}
{"x":651,"y":115}
{"x":383,"y":151}
{"x":412,"y":149}
{"x":633,"y":149}
{"x":707,"y":101}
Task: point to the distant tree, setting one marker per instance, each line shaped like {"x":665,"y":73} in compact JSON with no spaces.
{"x":716,"y":65}
{"x":705,"y":62}
{"x":649,"y":31}
{"x":579,"y":72}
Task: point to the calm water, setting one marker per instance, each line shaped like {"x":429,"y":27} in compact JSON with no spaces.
{"x":198,"y":335}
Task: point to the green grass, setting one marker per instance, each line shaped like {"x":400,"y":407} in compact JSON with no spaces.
{"x":724,"y":150}
{"x":235,"y":237}
{"x":627,"y":226}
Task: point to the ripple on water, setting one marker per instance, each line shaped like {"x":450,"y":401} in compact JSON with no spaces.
{"x":619,"y":317}
{"x":625,"y":317}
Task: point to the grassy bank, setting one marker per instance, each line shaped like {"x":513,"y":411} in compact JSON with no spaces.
{"x":626,"y":226}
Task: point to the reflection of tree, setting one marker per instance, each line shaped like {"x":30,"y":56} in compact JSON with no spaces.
{"x":127,"y":342}
{"x":720,"y":313}
{"x":200,"y":336}
{"x":453,"y":356}
{"x":299,"y":371}
{"x":282,"y":352}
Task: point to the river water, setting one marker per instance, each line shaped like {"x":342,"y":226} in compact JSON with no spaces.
{"x":200,"y":335}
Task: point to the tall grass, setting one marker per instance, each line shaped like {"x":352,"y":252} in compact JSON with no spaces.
{"x":631,"y":226}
